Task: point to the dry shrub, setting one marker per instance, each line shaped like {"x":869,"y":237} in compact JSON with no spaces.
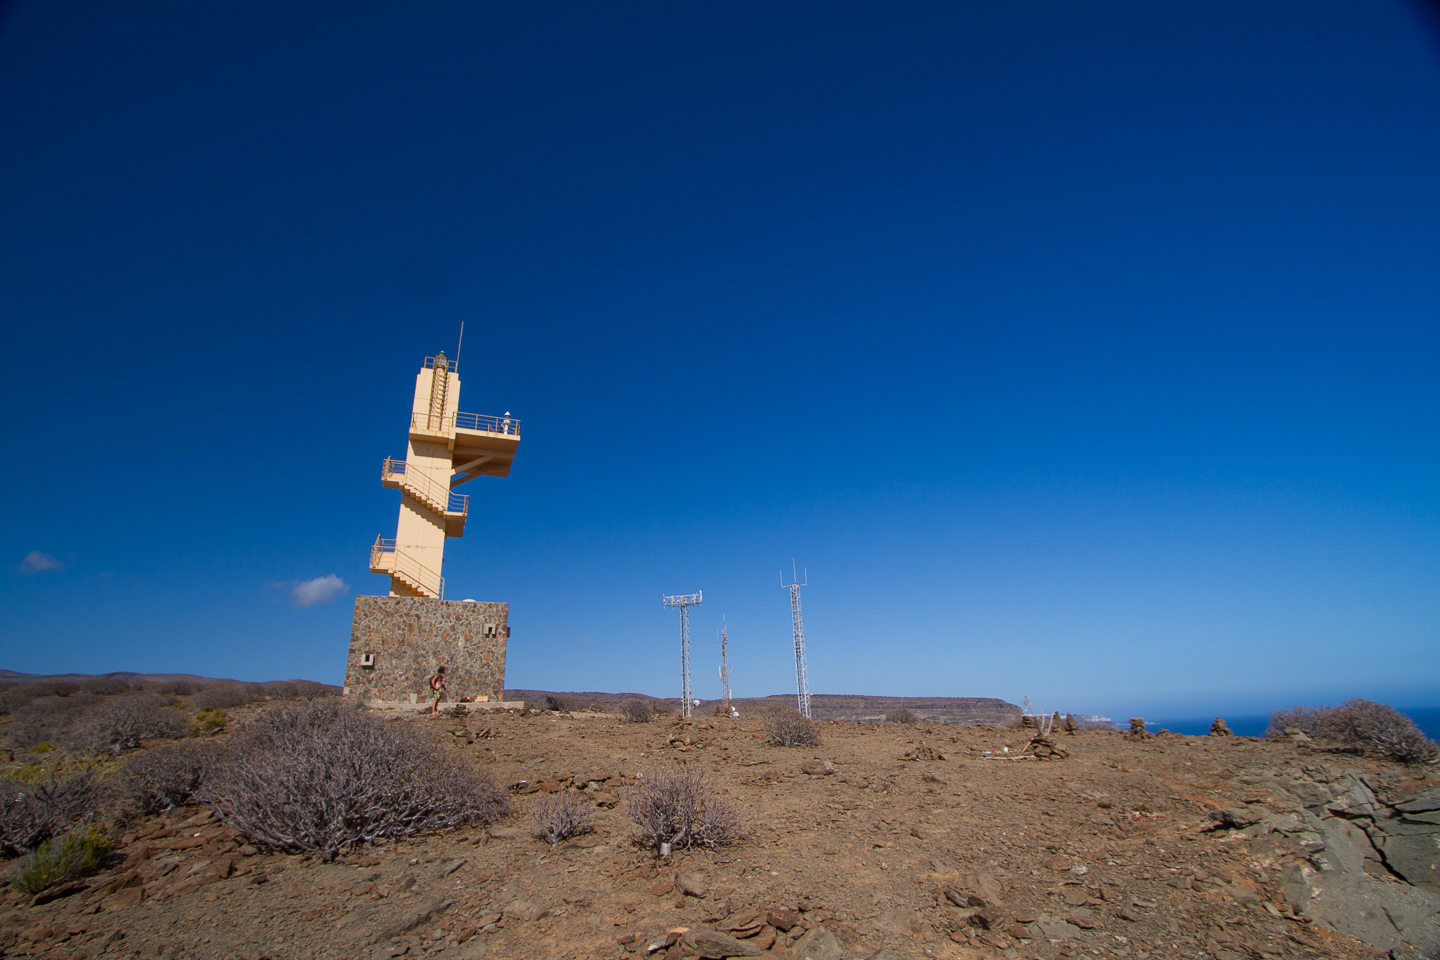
{"x":559,"y":816}
{"x":636,"y":711}
{"x":310,"y":690}
{"x":281,"y":690}
{"x":564,"y":704}
{"x":120,"y":723}
{"x":786,"y":728}
{"x":31,"y":813}
{"x":105,"y":686}
{"x":675,"y":807}
{"x":64,"y":858}
{"x":900,"y":715}
{"x":1363,"y":724}
{"x":324,"y":776}
{"x":175,"y":688}
{"x":47,"y":718}
{"x":167,"y":777}
{"x":14,"y":697}
{"x":223,"y":696}
{"x":55,"y":688}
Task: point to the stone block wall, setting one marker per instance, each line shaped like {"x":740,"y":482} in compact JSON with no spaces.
{"x":410,"y":636}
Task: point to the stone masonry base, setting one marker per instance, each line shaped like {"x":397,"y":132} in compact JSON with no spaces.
{"x":396,"y":643}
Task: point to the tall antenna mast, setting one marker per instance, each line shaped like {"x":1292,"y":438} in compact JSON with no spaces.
{"x":802,"y":675}
{"x":725,"y":666}
{"x":459,"y":345}
{"x":684,"y":601}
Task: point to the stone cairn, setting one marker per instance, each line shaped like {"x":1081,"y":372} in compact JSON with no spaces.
{"x":1218,"y":729}
{"x":1070,"y":725}
{"x":1137,"y":728}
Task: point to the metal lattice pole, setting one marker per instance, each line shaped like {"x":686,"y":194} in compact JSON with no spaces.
{"x":802,"y":675}
{"x":725,"y":668}
{"x":684,"y":601}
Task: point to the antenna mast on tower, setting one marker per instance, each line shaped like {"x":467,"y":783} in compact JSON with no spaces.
{"x":725,"y":666}
{"x":802,"y":675}
{"x":684,"y":601}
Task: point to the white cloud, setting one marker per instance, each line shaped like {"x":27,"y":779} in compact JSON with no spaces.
{"x":327,"y":589}
{"x":37,"y":562}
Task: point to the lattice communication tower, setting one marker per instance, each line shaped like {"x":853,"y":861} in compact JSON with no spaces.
{"x":684,"y":601}
{"x":725,"y":666}
{"x":802,"y":675}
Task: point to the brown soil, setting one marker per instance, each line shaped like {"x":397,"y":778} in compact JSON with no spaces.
{"x":1106,"y":853}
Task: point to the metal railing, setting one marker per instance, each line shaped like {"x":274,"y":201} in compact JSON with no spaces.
{"x":450,"y":365}
{"x":437,"y":496}
{"x":478,"y":422}
{"x":401,"y":564}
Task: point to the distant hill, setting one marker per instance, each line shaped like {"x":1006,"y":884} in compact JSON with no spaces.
{"x":134,"y":679}
{"x":823,"y":706}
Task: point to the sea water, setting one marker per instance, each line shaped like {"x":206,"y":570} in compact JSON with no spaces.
{"x":1254,"y":725}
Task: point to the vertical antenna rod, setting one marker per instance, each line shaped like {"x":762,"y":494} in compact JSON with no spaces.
{"x":725,"y":666}
{"x":684,"y":601}
{"x":802,"y":675}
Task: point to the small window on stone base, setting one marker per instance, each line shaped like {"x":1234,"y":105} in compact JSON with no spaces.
{"x":367,"y":660}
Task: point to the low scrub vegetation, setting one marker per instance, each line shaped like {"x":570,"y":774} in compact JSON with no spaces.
{"x":210,"y":720}
{"x":675,"y":807}
{"x":636,"y":711}
{"x":560,"y":816}
{"x":31,"y":813}
{"x":158,"y":780}
{"x":324,"y":776}
{"x":900,"y":715}
{"x":105,"y":686}
{"x":1362,"y":724}
{"x":121,"y":723}
{"x":58,"y":860}
{"x":786,"y":728}
{"x":224,"y":696}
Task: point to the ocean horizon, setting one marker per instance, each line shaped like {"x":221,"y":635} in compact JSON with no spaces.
{"x":1254,"y":725}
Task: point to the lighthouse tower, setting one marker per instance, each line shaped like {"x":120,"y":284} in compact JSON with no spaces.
{"x":398,"y":641}
{"x":447,"y":448}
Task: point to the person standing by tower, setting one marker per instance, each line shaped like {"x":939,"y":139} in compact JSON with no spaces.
{"x":437,"y":691}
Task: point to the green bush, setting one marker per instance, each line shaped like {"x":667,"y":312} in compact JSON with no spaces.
{"x":211,"y":719}
{"x":64,"y":858}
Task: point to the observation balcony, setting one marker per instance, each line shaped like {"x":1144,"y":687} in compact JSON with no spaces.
{"x":385,"y":558}
{"x":479,"y":443}
{"x":451,"y":506}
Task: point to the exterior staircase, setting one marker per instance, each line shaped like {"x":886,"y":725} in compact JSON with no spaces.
{"x":452,"y":507}
{"x":385,"y":558}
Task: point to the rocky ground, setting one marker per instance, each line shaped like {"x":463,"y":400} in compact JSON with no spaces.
{"x":887,"y":841}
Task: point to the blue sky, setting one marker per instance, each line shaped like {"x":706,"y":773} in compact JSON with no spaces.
{"x":1079,"y":352}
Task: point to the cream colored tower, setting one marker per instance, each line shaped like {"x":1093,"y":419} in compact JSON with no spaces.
{"x":447,"y":448}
